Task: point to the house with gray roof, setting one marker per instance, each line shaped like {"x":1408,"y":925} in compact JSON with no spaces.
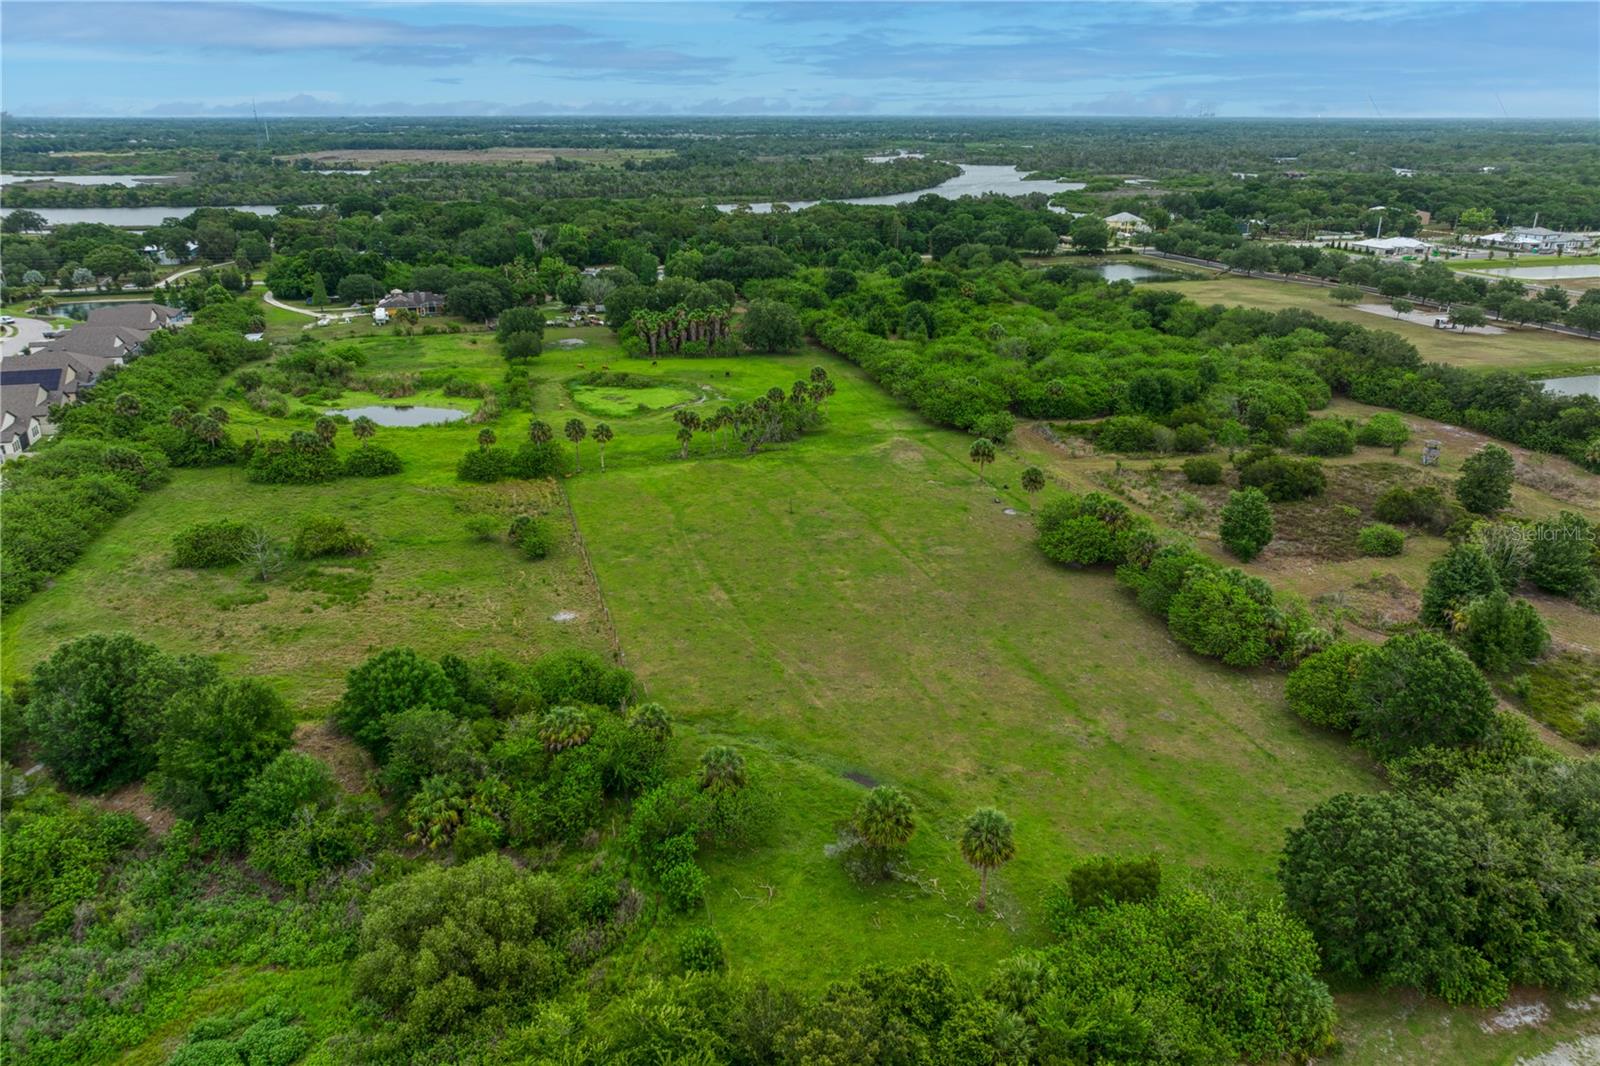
{"x":107,"y":342}
{"x":24,"y":409}
{"x":59,"y":380}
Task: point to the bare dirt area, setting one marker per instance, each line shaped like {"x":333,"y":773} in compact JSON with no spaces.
{"x":480,"y":156}
{"x":350,"y":765}
{"x":136,"y":800}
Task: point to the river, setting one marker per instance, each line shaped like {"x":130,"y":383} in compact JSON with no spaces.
{"x":972,"y":181}
{"x":86,"y":179}
{"x":125,"y":217}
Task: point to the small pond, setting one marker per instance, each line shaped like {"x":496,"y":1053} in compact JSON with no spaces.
{"x":1583,"y":385}
{"x":1133,"y":272}
{"x":397,"y":415}
{"x":80,"y":309}
{"x":1547,"y":273}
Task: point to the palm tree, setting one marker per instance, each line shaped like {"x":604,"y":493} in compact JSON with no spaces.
{"x":685,"y":435}
{"x":564,"y":727}
{"x":363,"y":428}
{"x":652,"y":720}
{"x":485,"y":439}
{"x":602,"y":437}
{"x":207,"y":429}
{"x":326,"y":429}
{"x":986,"y":844}
{"x":218,"y":415}
{"x":721,"y":767}
{"x":982,"y":453}
{"x":434,"y":814}
{"x":179,"y":416}
{"x":885,"y":821}
{"x":819,"y":374}
{"x":575,"y":431}
{"x":1032,"y":480}
{"x":539,"y":432}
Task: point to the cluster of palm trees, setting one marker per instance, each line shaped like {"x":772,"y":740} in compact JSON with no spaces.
{"x":671,"y":329}
{"x":885,"y":822}
{"x":774,"y":416}
{"x":540,"y":432}
{"x":206,"y":427}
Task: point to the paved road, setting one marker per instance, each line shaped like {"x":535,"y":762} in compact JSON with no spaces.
{"x":28,"y":331}
{"x":275,"y":302}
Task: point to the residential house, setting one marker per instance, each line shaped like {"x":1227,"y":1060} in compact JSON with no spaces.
{"x":423,"y":303}
{"x":88,"y":368}
{"x":1126,"y":222}
{"x":148,"y":317}
{"x":59,"y":381}
{"x":1536,"y":240}
{"x":24,"y":409}
{"x":106,"y":342}
{"x":1403,"y":172}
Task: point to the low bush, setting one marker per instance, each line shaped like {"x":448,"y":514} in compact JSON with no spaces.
{"x":1246,"y":523}
{"x":1425,"y":506}
{"x":1108,"y":880}
{"x":537,"y":460}
{"x":1191,"y":437}
{"x":372,"y":460}
{"x":1283,"y":478}
{"x":1203,"y":470}
{"x":1500,"y":634}
{"x":1090,"y":529}
{"x":484,"y":465}
{"x":700,"y":951}
{"x":301,"y":460}
{"x":1325,"y":436}
{"x":535,"y":536}
{"x":1132,"y":433}
{"x":1384,"y":430}
{"x":1322,"y":689}
{"x":1381,"y":539}
{"x":1224,"y":614}
{"x":320,"y":536}
{"x":210,"y":544}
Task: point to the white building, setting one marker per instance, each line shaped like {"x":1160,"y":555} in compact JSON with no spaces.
{"x":1536,"y":240}
{"x":1394,"y":247}
{"x":1126,"y":222}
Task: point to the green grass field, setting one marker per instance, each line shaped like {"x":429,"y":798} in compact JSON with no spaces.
{"x":1531,"y":351}
{"x":857,"y":607}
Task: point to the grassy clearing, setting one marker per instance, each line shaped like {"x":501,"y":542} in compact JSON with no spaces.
{"x":1532,"y":351}
{"x":857,"y":607}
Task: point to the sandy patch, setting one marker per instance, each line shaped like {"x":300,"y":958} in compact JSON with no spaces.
{"x":351,"y":766}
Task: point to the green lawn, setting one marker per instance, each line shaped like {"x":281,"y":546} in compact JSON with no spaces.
{"x":1532,"y":351}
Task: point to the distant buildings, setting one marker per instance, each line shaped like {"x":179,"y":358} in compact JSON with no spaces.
{"x":1536,"y":240}
{"x":1394,"y":247}
{"x":52,"y":373}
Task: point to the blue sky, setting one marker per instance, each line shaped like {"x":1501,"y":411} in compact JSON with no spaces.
{"x":66,"y":57}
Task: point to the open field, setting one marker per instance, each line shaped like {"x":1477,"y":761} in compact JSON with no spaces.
{"x":1524,"y":349}
{"x":479,"y":156}
{"x":857,"y":607}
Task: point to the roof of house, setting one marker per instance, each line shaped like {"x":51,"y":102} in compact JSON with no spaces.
{"x":115,"y":342}
{"x":22,"y":402}
{"x":145,"y":316}
{"x":55,"y":380}
{"x":1392,"y":243}
{"x":1124,"y":216}
{"x":88,"y":367}
{"x":396,"y":298}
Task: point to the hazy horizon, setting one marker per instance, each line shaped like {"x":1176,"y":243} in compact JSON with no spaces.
{"x":1417,"y":60}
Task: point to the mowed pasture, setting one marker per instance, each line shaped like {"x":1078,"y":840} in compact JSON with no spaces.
{"x":1524,"y":348}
